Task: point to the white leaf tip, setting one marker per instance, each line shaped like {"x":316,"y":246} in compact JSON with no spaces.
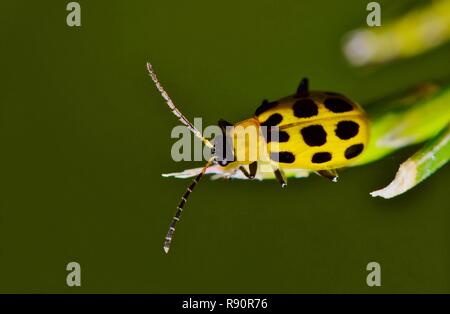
{"x":405,"y":179}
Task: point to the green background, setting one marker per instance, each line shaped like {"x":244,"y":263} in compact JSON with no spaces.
{"x":85,"y":137}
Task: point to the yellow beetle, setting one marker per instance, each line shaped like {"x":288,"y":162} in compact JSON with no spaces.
{"x":312,"y":130}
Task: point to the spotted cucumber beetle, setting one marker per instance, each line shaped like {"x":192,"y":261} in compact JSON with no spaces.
{"x":316,"y":131}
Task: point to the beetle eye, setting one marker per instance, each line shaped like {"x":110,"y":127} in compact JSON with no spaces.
{"x":223,"y":150}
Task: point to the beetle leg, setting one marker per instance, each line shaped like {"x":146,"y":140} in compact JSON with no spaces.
{"x":253,"y":167}
{"x":279,"y":175}
{"x":245,"y":172}
{"x":331,"y":174}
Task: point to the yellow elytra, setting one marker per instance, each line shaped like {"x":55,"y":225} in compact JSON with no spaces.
{"x":319,"y":131}
{"x":312,"y":130}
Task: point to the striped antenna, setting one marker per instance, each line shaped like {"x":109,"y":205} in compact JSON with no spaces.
{"x":180,"y":207}
{"x":174,"y":108}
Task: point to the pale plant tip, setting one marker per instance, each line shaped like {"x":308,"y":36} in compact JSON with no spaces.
{"x":166,"y":249}
{"x":403,"y":181}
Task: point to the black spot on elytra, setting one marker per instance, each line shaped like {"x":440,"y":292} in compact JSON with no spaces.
{"x":353,"y":151}
{"x":305,"y":108}
{"x":273,"y":120}
{"x":284,"y":157}
{"x":314,"y":135}
{"x":265,"y":106}
{"x":321,"y":157}
{"x":271,"y":137}
{"x":346,"y":129}
{"x":337,"y":105}
{"x":283,"y":136}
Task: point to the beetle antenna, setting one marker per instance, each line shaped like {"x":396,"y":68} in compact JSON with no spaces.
{"x":174,"y":108}
{"x":180,"y":206}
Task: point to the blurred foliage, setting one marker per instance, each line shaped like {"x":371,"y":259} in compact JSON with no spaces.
{"x":417,"y":31}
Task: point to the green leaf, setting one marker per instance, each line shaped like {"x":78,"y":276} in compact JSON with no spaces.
{"x":409,"y":119}
{"x":420,"y":166}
